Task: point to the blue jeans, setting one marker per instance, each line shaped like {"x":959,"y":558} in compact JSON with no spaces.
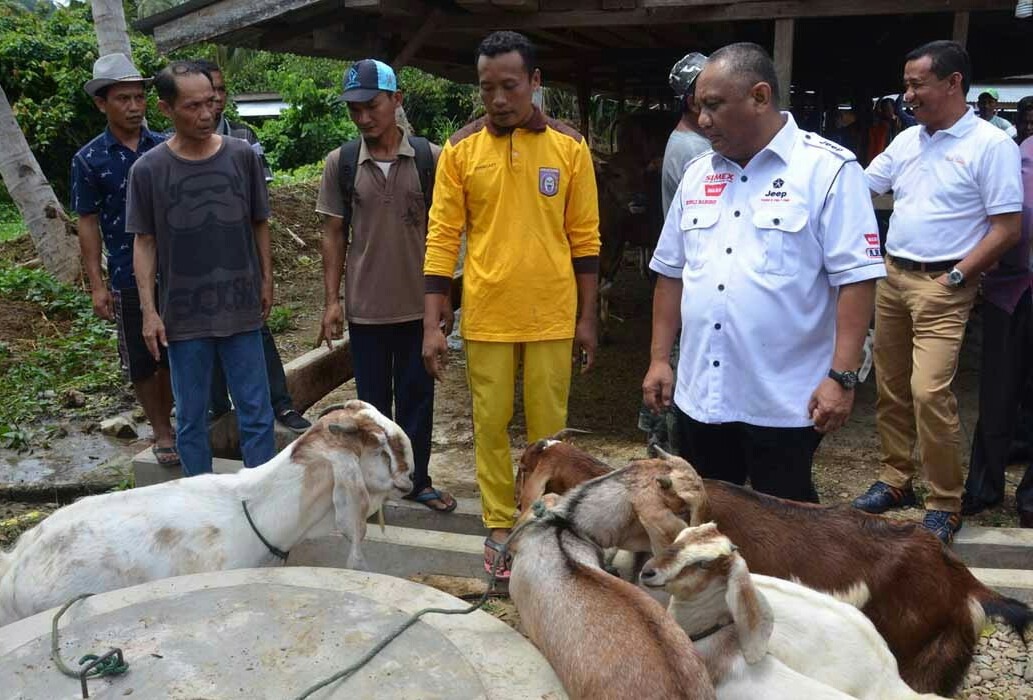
{"x":388,"y":363}
{"x":278,"y":395}
{"x":191,"y":363}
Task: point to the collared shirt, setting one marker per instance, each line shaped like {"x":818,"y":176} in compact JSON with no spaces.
{"x":945,"y":186}
{"x":760,"y":252}
{"x":528,"y":200}
{"x":1003,"y":124}
{"x":100,"y":171}
{"x":682,"y":148}
{"x":383,"y":277}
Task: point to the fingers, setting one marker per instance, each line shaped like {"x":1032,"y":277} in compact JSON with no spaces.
{"x":152,"y":346}
{"x":587,"y":359}
{"x":666,"y":394}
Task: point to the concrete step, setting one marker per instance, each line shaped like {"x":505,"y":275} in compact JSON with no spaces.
{"x":995,"y":547}
{"x":1015,"y":583}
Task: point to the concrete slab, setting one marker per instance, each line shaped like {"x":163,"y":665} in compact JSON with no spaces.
{"x":271,"y":633}
{"x":1016,"y":583}
{"x":399,"y":551}
{"x":147,"y":471}
{"x":995,"y":547}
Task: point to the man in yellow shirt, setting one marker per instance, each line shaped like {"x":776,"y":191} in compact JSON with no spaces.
{"x":523,"y":186}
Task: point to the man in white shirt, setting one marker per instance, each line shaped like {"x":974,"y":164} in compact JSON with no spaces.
{"x":767,"y":261}
{"x":957,"y":202}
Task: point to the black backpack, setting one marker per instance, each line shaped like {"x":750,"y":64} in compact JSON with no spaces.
{"x":348,"y":166}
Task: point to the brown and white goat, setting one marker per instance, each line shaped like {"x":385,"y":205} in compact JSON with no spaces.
{"x":923,"y":600}
{"x":605,"y":638}
{"x":806,"y":634}
{"x":337,"y":474}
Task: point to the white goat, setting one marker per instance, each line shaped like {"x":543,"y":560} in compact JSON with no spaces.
{"x":605,"y":638}
{"x":337,"y":473}
{"x":812,"y":633}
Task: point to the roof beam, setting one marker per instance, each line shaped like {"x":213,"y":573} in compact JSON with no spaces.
{"x":224,"y":17}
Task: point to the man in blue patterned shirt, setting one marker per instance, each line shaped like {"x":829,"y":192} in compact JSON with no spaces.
{"x":100,"y":171}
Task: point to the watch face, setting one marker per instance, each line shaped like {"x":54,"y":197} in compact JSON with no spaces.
{"x":955,"y":277}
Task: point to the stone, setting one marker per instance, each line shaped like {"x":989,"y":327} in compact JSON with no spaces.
{"x":987,"y":674}
{"x":119,"y":427}
{"x":73,"y":398}
{"x":1028,"y":675}
{"x":138,"y":415}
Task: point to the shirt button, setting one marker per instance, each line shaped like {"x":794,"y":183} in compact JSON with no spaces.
{"x":777,"y":221}
{"x":728,"y":250}
{"x":717,"y":326}
{"x":695,"y":220}
{"x":717,"y":363}
{"x":737,"y":212}
{"x":744,"y":178}
{"x":720,"y":287}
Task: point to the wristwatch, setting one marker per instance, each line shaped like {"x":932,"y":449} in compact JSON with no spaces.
{"x":847,"y":379}
{"x":956,"y":278}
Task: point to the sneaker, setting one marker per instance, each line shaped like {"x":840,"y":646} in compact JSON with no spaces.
{"x":293,"y":421}
{"x":943,"y":524}
{"x":880,"y":497}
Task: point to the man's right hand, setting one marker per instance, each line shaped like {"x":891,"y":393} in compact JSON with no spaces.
{"x":332,"y":326}
{"x":103,"y":304}
{"x":154,"y":334}
{"x":435,"y":352}
{"x":658,"y":386}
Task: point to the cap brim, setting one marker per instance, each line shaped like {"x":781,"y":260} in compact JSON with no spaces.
{"x":92,"y":86}
{"x":359,"y":95}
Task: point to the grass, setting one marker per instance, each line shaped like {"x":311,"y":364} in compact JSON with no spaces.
{"x":281,"y":319}
{"x":11,"y":224}
{"x":73,"y":349}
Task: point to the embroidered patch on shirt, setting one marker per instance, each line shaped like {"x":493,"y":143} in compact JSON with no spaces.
{"x":871,"y":238}
{"x":715,"y":190}
{"x":548,"y":181}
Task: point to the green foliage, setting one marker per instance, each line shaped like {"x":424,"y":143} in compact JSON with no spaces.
{"x":314,"y":124}
{"x":281,"y":319}
{"x":45,"y":58}
{"x":73,"y":349}
{"x":436,"y":107}
{"x":303,"y":173}
{"x":11,"y":225}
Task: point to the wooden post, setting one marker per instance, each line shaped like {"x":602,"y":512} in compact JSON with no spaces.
{"x":784,"y":30}
{"x":961,"y":27}
{"x":584,"y":105}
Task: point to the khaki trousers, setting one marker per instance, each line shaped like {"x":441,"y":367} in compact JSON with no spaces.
{"x":919,"y":326}
{"x":491,"y":371}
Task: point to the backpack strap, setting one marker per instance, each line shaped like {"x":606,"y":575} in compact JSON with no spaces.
{"x":425,"y":167}
{"x":347,"y":168}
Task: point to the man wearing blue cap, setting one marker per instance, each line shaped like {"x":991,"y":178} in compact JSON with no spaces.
{"x":379,"y":187}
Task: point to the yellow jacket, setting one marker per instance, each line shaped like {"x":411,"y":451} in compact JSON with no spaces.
{"x":528,"y":201}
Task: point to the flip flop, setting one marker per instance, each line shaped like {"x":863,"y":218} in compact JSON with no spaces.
{"x":426,"y":497}
{"x":490,"y":559}
{"x":166,"y":456}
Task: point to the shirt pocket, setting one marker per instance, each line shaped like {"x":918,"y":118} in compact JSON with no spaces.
{"x":698,"y":226}
{"x":780,"y":231}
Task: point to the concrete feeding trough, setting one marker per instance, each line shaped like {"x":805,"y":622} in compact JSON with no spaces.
{"x":273,"y":633}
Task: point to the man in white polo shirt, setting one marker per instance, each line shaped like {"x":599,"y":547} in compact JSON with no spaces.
{"x":767,"y":261}
{"x":957,"y":201}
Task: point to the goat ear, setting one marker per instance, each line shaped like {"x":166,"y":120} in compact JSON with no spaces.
{"x":665,"y":482}
{"x":351,"y":504}
{"x":751,"y":613}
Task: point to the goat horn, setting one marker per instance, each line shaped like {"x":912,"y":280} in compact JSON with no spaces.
{"x":346,"y":429}
{"x":659,"y":452}
{"x":331,"y":409}
{"x":665,"y":482}
{"x":569,"y":431}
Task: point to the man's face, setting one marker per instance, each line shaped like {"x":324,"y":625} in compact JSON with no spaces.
{"x":987,"y":106}
{"x":1024,"y":126}
{"x":729,"y":111}
{"x":929,"y":96}
{"x":219,"y":87}
{"x":377,"y":116}
{"x":124,"y":106}
{"x":507,"y":88}
{"x":193,"y":113}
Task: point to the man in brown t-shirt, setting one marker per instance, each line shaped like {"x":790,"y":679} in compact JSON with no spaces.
{"x":383,"y":262}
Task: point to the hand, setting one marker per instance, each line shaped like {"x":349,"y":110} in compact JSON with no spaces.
{"x":658,"y":386}
{"x":267,"y":298}
{"x":830,"y":406}
{"x":332,"y":326}
{"x":448,"y":318}
{"x":154,"y":334}
{"x":942,"y":281}
{"x":586,"y":340}
{"x":435,"y":352}
{"x":103,"y":304}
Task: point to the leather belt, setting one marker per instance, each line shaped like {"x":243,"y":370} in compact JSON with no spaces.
{"x":917,"y":266}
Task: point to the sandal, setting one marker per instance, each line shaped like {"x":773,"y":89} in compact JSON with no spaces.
{"x":491,"y":557}
{"x":434,"y":495}
{"x":166,"y":456}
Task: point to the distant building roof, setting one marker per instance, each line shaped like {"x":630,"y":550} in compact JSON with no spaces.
{"x":259,"y":104}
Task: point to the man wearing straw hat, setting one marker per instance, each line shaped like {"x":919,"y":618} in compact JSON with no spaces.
{"x":99,"y":173}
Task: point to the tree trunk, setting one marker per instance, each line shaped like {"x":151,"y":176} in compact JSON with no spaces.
{"x":52,"y":233}
{"x":109,"y":21}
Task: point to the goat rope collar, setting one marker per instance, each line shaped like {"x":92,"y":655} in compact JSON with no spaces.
{"x":278,"y":553}
{"x":707,"y":632}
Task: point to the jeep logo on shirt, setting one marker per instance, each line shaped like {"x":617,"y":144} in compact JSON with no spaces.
{"x":548,"y":181}
{"x":776,"y":193}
